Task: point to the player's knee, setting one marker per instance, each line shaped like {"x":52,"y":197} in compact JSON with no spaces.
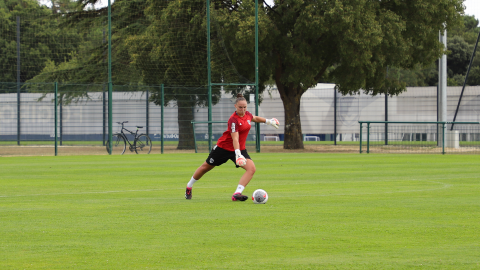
{"x":206,"y":167}
{"x":209,"y":168}
{"x":252,"y":169}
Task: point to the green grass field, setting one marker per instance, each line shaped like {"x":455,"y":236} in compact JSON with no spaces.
{"x":325,"y":211}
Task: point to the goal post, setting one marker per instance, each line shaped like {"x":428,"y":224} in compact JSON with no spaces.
{"x":426,"y":137}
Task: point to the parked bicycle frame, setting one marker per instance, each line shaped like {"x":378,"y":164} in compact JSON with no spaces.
{"x":141,"y":143}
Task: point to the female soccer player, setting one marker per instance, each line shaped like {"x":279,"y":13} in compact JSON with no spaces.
{"x":231,"y":146}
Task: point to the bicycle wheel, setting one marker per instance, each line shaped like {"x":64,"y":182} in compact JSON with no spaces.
{"x":143,"y":144}
{"x":118,"y":144}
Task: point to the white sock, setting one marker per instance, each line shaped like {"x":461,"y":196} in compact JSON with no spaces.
{"x":240,"y":189}
{"x":191,"y":182}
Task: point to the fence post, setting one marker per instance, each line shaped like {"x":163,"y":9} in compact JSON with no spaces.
{"x":386,"y":116}
{"x":194,"y":136}
{"x":56,"y":118}
{"x":110,"y":117}
{"x":60,"y":104}
{"x":361,"y":127}
{"x":257,"y":84}
{"x":110,"y":82}
{"x":161,"y":119}
{"x":335,"y":118}
{"x":438,"y":133}
{"x":104,"y":96}
{"x":443,"y":138}
{"x":368,"y":138}
{"x":147,"y":122}
{"x":104,"y":114}
{"x":209,"y":78}
{"x":18,"y":80}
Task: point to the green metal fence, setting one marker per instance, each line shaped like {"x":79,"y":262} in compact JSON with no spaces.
{"x":420,"y":137}
{"x":31,"y":124}
{"x":172,"y":52}
{"x":62,"y":119}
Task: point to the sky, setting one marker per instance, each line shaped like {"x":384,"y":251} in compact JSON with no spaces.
{"x":472,"y":6}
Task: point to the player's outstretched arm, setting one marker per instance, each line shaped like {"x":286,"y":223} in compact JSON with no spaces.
{"x":272,"y":122}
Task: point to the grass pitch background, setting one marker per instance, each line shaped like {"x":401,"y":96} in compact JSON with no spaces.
{"x":325,"y":211}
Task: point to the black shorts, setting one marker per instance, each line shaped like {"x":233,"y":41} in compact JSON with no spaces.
{"x":218,"y":156}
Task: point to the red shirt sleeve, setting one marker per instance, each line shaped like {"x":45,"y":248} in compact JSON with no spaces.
{"x":232,"y":125}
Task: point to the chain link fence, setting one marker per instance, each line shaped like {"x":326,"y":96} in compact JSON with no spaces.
{"x":330,"y":122}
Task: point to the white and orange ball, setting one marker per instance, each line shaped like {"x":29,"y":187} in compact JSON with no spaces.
{"x":260,"y":196}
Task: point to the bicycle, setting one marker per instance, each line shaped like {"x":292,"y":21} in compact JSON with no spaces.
{"x":141,"y":143}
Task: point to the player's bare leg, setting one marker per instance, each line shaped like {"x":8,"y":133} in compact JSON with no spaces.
{"x":249,"y":172}
{"x":244,"y":180}
{"x":201,"y":171}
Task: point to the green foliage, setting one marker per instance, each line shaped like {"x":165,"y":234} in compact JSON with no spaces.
{"x":459,"y":56}
{"x":417,"y":76}
{"x":128,"y":212}
{"x":474,"y":76}
{"x":468,"y":29}
{"x":456,"y":80}
{"x":352,"y":43}
{"x":62,"y":6}
{"x":303,"y":39}
{"x":37,"y":31}
{"x":460,"y":44}
{"x":360,"y":38}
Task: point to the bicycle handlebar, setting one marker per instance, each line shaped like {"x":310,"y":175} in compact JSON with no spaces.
{"x":121,"y":123}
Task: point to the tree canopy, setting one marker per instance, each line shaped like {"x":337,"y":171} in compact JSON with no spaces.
{"x":352,"y":42}
{"x":460,"y":44}
{"x":39,"y":36}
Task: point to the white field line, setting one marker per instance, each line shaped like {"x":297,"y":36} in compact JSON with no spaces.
{"x":444,"y":186}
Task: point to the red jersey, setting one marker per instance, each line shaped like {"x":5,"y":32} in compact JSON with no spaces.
{"x":238,"y":124}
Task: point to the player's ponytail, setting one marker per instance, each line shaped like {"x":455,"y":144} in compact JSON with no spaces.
{"x":239,"y":98}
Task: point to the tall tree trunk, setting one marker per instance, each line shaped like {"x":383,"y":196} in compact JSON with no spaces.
{"x":185,"y":117}
{"x":291,"y":97}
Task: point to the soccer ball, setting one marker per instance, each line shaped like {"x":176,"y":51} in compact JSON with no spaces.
{"x":260,"y":196}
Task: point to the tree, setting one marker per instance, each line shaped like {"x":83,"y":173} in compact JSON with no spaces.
{"x":157,"y":53}
{"x":37,"y":31}
{"x":461,"y":42}
{"x":474,"y":76}
{"x":89,"y":63}
{"x":352,"y":42}
{"x":63,"y":6}
{"x":153,"y":43}
{"x":418,"y":76}
{"x":76,"y":57}
{"x":173,"y":51}
{"x":467,"y":29}
{"x":459,"y":56}
{"x":301,"y":39}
